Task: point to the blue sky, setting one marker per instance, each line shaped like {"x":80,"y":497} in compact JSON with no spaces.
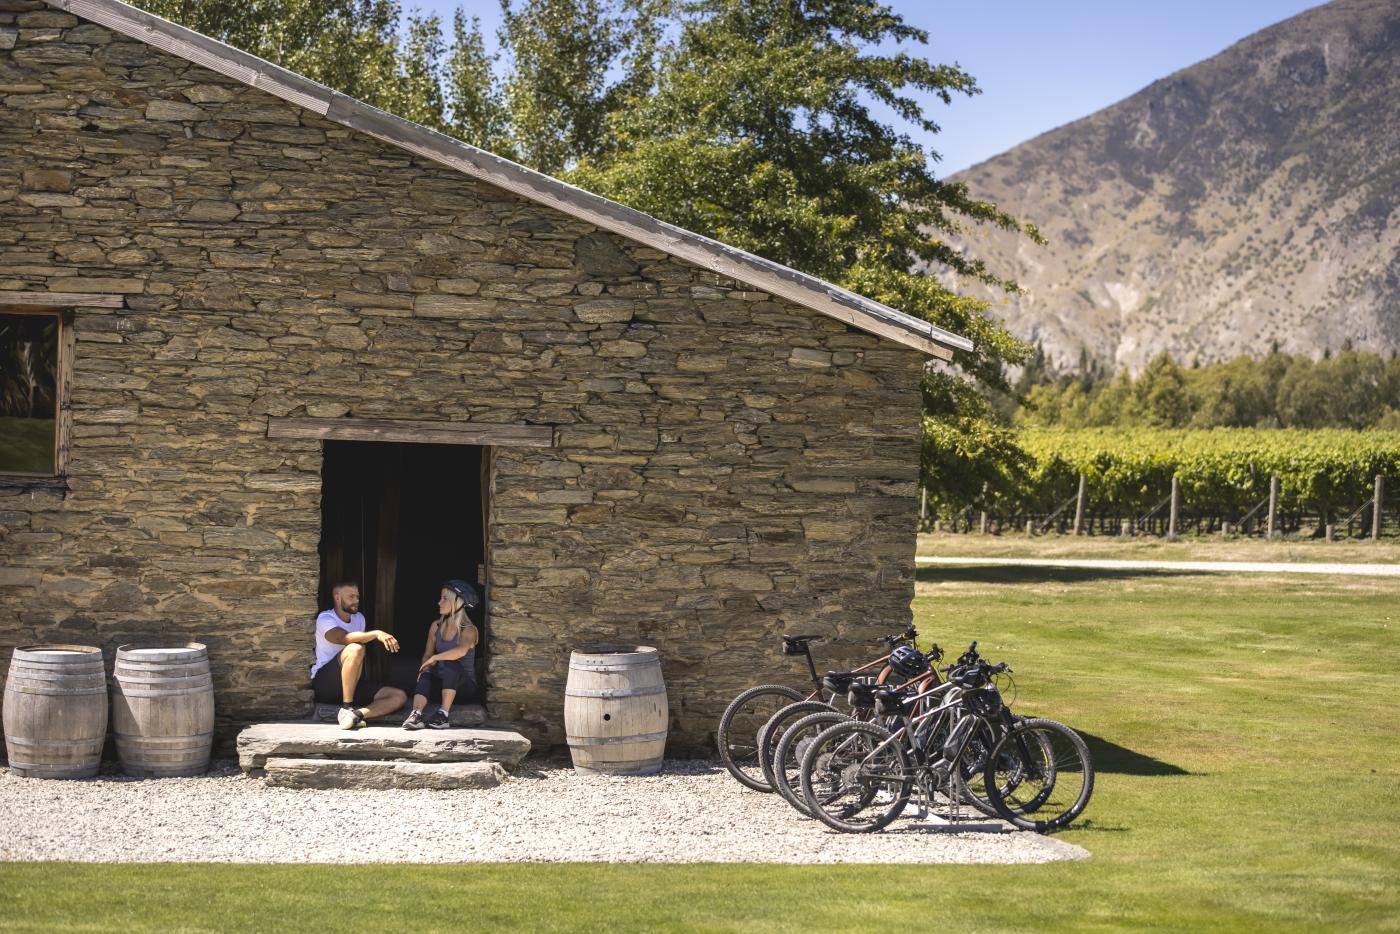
{"x":1042,"y":64}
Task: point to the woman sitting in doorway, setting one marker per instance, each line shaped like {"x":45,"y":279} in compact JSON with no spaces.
{"x":449,"y":657}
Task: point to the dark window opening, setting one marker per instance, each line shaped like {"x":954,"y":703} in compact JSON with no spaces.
{"x":400,"y":519}
{"x":30,"y":400}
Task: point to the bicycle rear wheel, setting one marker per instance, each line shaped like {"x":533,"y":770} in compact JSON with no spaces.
{"x":1040,"y":776}
{"x":737,"y":736}
{"x":773,"y":730}
{"x":792,"y":746}
{"x":853,"y":780}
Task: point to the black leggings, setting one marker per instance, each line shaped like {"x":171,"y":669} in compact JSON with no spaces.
{"x":448,"y":676}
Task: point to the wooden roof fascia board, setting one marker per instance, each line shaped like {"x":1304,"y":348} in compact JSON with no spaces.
{"x":808,"y":291}
{"x":70,"y":299}
{"x":405,"y":430}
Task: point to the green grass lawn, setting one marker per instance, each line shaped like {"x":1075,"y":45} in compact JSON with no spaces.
{"x":1244,"y":728}
{"x":1149,"y":548}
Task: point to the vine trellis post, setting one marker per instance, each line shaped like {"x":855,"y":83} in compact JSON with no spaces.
{"x":1176,"y":507}
{"x":1376,"y":509}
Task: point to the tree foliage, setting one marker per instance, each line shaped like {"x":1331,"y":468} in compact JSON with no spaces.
{"x":1350,"y":389}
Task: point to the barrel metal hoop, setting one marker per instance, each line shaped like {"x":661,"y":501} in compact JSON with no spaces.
{"x":614,"y":666}
{"x":188,"y":738}
{"x":614,"y":740}
{"x":22,"y":688}
{"x":26,"y":741}
{"x":608,"y":693}
{"x":626,"y":767}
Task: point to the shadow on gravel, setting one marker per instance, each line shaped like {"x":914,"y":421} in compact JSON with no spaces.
{"x":1017,"y":574}
{"x":1111,"y":758}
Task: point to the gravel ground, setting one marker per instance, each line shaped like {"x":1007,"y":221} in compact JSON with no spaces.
{"x":693,"y":812}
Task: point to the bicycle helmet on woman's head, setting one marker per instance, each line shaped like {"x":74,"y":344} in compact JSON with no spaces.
{"x":465,"y":592}
{"x":908,"y":661}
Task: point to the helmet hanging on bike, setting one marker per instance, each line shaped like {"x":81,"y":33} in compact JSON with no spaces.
{"x":908,"y":661}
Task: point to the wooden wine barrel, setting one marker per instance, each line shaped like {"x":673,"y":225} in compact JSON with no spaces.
{"x":163,"y":709}
{"x":615,"y":713}
{"x":55,"y":711}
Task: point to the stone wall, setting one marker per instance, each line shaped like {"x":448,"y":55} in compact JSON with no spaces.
{"x":729,"y":466}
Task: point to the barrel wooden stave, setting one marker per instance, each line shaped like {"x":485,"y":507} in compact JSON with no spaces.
{"x":163,"y":709}
{"x":55,"y":714}
{"x":615,"y":710}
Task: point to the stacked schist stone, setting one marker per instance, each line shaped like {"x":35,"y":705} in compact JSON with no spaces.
{"x":728,"y":465}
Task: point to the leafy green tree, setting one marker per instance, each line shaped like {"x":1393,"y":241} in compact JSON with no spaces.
{"x":1236,"y":394}
{"x":759,"y":133}
{"x":476,"y":104}
{"x":1159,"y":398}
{"x":350,"y":45}
{"x":969,"y":451}
{"x":1111,"y":402}
{"x":556,"y":89}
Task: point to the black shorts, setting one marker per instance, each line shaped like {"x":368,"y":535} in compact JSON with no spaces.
{"x":325,"y":686}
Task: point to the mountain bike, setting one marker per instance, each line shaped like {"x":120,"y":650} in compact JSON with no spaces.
{"x":737,"y":735}
{"x":780,"y":765}
{"x":858,"y":776}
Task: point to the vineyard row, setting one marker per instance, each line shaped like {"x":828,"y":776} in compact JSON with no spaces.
{"x":1112,"y":481}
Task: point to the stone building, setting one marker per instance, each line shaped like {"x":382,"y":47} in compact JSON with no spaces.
{"x":300,"y":339}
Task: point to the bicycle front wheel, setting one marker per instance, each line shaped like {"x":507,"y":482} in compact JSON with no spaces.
{"x":1040,"y":776}
{"x":854,"y":778}
{"x":737,"y":736}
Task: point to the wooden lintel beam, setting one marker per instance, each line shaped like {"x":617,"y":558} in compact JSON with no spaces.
{"x":61,"y":299}
{"x":404,"y":430}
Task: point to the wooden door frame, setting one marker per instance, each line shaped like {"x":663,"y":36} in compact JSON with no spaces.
{"x":488,"y":437}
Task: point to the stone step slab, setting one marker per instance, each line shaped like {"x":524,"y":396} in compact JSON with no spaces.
{"x":379,"y":774}
{"x":461,"y":715}
{"x":262,"y":741}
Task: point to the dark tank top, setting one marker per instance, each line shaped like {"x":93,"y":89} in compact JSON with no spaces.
{"x":441,"y":645}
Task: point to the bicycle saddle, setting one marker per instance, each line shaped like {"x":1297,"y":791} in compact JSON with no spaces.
{"x":796,"y":645}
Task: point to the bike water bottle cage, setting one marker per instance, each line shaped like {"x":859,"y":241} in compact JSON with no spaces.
{"x":797,"y":645}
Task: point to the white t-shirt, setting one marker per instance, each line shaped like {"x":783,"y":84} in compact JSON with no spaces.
{"x":326,"y":650}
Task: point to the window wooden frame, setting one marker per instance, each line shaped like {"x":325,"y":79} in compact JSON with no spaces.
{"x":62,"y":304}
{"x":63,"y":409}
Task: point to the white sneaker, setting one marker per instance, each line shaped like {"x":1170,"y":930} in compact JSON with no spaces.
{"x":349,"y":718}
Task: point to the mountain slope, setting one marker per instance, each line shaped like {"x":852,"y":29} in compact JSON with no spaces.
{"x":1250,"y":198}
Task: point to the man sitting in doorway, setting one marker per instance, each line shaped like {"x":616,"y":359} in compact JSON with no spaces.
{"x":341,"y":639}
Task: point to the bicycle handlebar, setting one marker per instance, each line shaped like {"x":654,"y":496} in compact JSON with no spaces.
{"x":908,"y":635}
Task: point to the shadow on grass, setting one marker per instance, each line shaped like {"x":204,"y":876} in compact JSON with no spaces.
{"x":1111,"y":758}
{"x":1016,"y":574}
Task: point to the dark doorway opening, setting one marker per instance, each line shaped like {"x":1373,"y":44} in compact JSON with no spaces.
{"x":400,"y":519}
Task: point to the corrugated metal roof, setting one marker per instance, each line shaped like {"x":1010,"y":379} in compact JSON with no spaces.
{"x":809,"y":291}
